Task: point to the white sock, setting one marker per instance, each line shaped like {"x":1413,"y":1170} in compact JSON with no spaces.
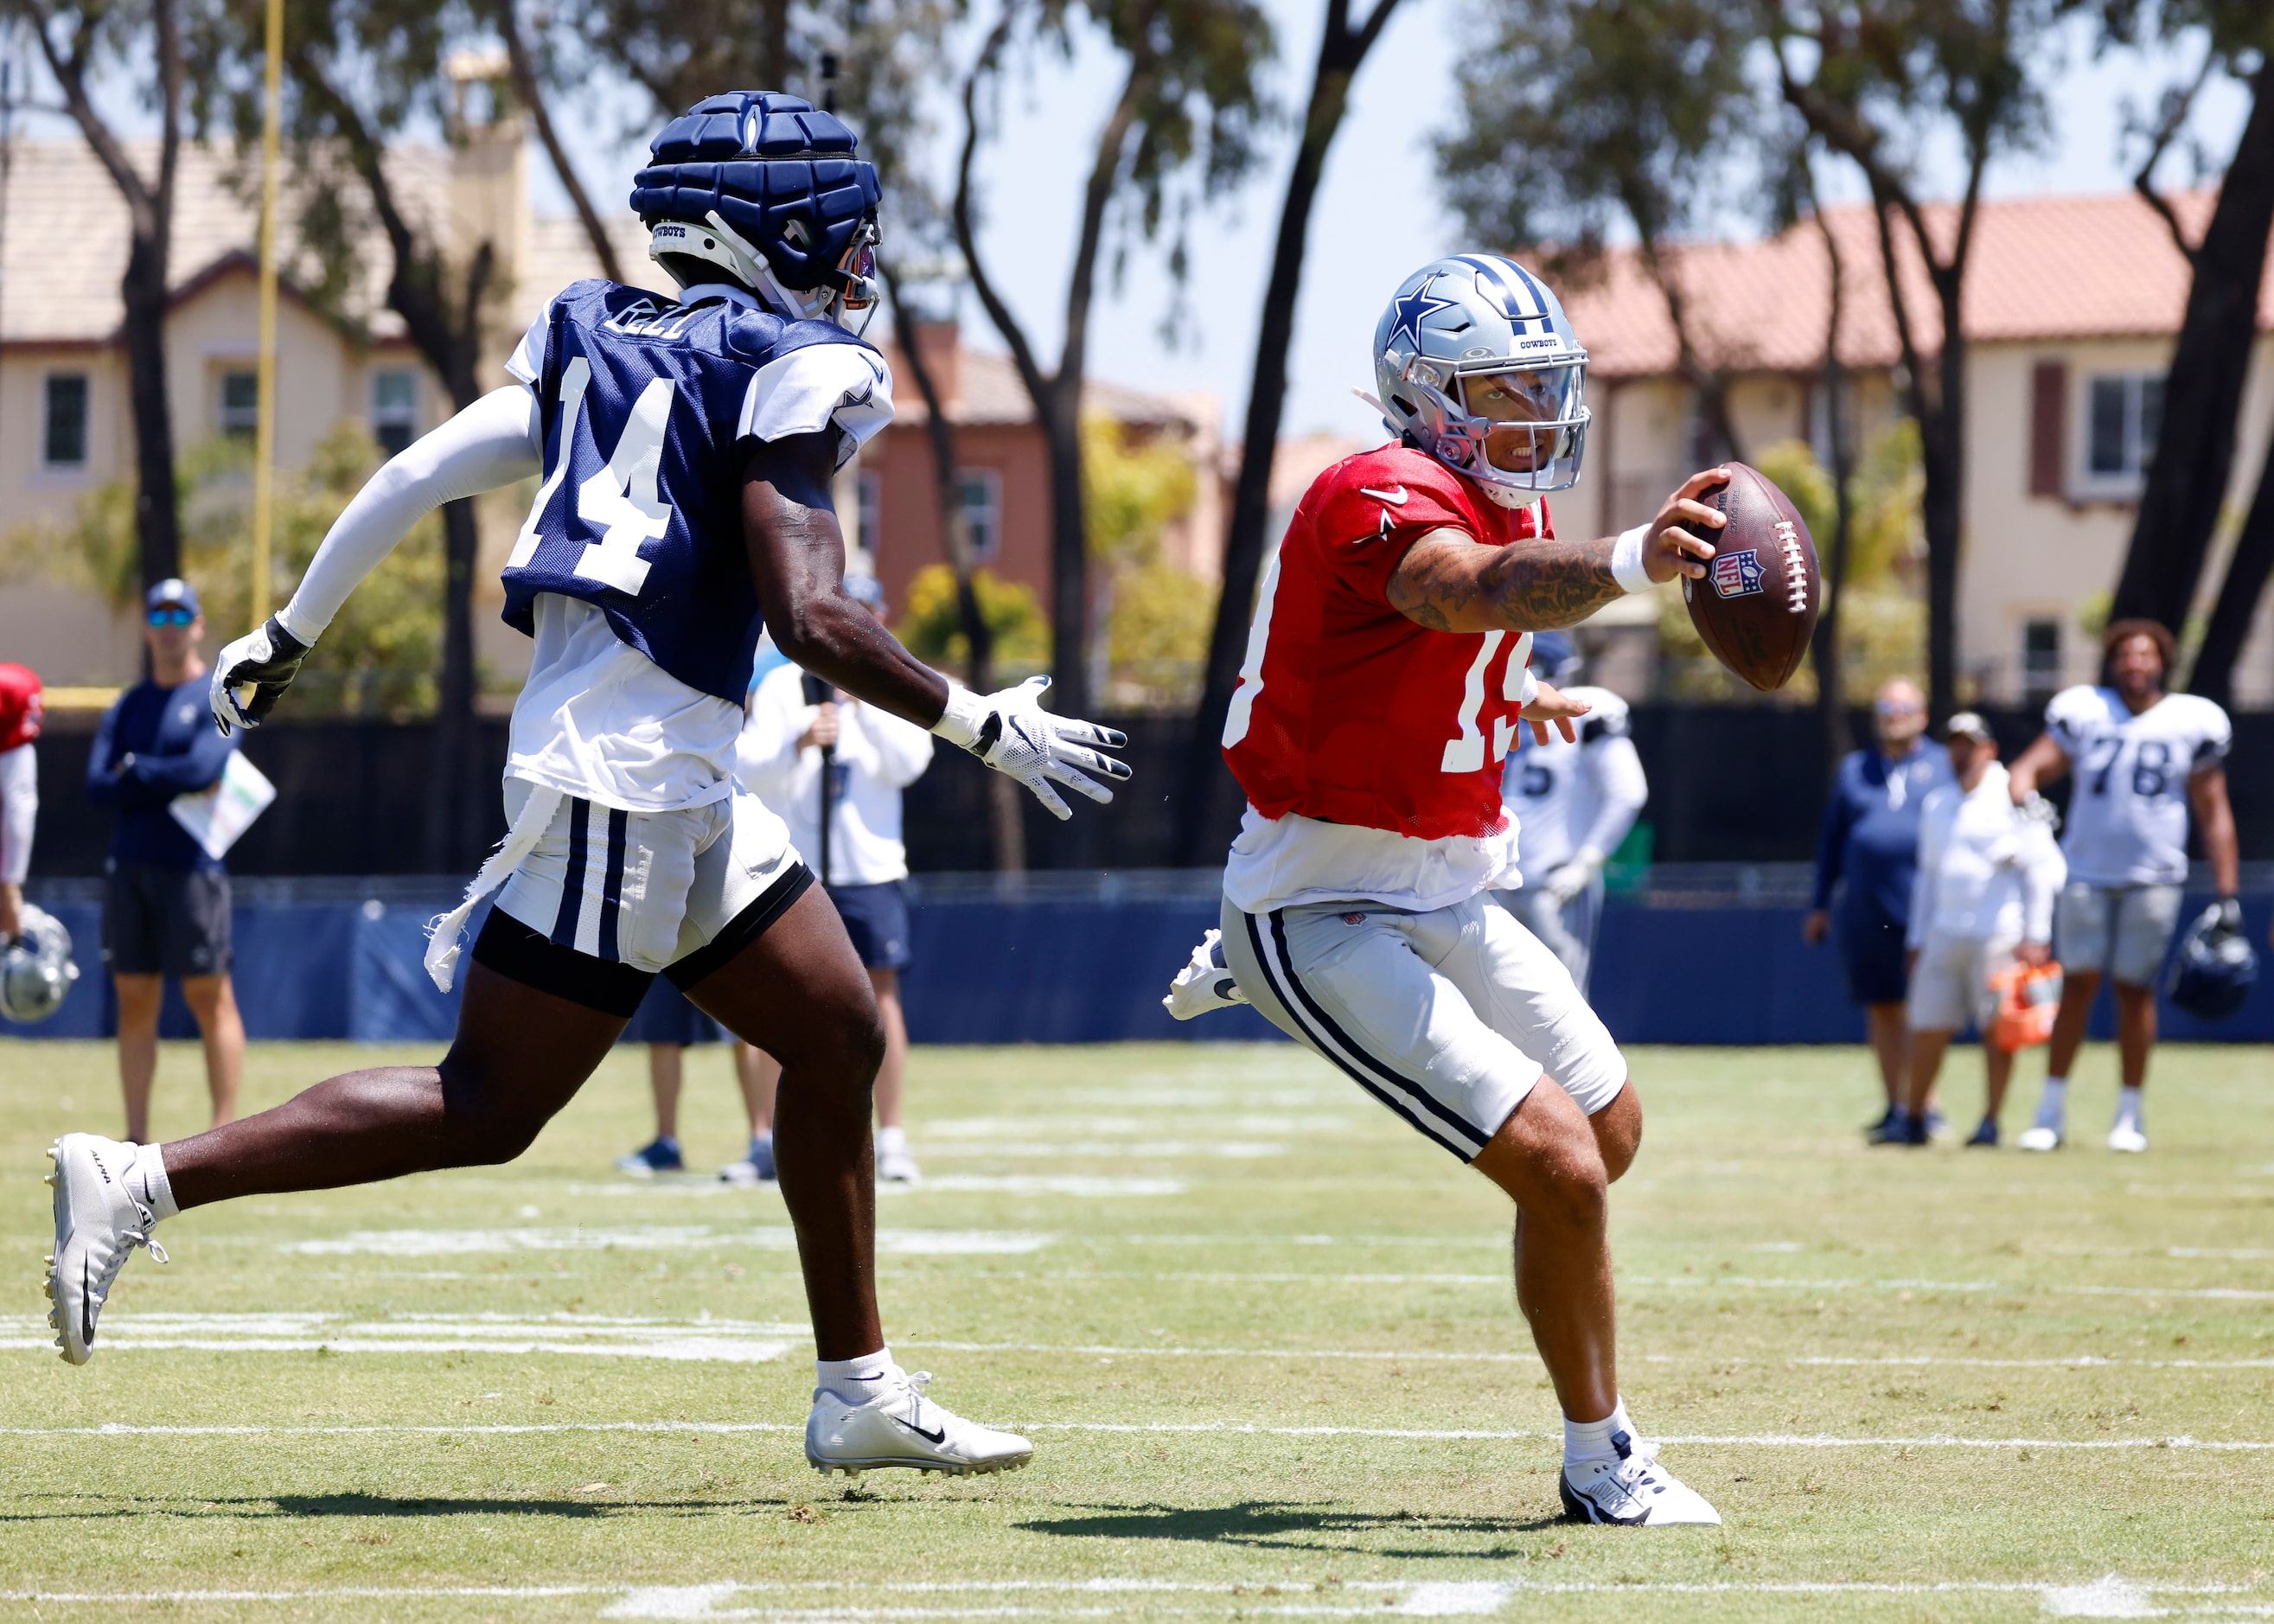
{"x":2052,"y":1105}
{"x":2128,"y":1108}
{"x":146,"y":1183}
{"x":854,"y":1380}
{"x":891,"y":1141}
{"x":1591,"y":1440}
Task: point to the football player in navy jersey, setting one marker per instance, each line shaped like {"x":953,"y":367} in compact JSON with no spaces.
{"x":687,"y":449}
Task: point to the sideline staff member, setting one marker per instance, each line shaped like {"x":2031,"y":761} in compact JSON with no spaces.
{"x":165,"y":911}
{"x":1870,"y":840}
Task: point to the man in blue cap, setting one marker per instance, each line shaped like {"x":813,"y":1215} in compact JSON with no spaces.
{"x":165,"y":910}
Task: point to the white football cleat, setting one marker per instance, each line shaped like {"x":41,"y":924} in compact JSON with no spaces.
{"x":2127,"y":1138}
{"x":902,"y":1427}
{"x":2039,"y":1139}
{"x":896,"y":1166}
{"x":98,"y":1222}
{"x":1205,"y":985}
{"x":1631,"y":1489}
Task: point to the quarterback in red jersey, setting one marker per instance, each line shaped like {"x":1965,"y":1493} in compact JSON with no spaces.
{"x":1386,"y":680}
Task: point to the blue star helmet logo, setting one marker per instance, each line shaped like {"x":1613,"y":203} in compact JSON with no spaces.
{"x":1409,"y":310}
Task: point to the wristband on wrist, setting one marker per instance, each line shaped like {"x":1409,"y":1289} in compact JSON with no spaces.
{"x":297,"y":621}
{"x":1626,"y":560}
{"x":960,"y":723}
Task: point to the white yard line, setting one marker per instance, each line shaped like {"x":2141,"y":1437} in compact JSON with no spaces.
{"x":1759,"y":1440}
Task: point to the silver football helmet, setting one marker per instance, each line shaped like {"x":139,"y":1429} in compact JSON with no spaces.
{"x":1478,"y":363}
{"x":36,"y":972}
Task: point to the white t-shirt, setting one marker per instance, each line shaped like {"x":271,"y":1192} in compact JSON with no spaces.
{"x":878,"y":755}
{"x":598,"y":719}
{"x":2127,"y":812}
{"x":1567,"y":796}
{"x":1287,"y":862}
{"x":19,"y":811}
{"x":1985,"y":871}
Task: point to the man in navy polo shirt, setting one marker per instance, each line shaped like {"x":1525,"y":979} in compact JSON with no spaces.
{"x":1870,"y":840}
{"x":165,"y":910}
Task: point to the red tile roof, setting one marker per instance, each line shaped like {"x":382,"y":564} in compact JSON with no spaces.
{"x":2048,"y":267}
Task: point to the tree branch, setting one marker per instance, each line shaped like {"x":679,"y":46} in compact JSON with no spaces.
{"x":1104,"y":171}
{"x":71,"y":77}
{"x":1022,"y":352}
{"x":526,"y":86}
{"x":2177,"y":105}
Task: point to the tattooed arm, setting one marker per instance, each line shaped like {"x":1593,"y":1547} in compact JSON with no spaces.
{"x":1448,"y":583}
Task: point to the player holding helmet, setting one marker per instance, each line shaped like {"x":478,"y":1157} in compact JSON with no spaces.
{"x":1384,"y":685}
{"x":687,"y":449}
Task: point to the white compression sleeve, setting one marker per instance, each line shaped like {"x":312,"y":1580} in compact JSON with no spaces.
{"x":497,"y":440}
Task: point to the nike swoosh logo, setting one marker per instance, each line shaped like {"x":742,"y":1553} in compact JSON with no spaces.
{"x":939,"y":1437}
{"x":85,"y":1305}
{"x":1397,"y":496}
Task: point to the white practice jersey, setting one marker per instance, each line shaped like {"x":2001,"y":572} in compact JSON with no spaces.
{"x":2127,"y":812}
{"x":1566,"y":795}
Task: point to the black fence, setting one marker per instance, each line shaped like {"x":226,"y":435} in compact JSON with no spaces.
{"x":1728,"y":785}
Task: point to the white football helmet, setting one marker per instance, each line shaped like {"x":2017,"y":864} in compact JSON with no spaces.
{"x":1479,"y":366}
{"x":37,"y":972}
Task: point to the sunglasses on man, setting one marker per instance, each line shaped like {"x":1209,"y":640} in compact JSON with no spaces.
{"x":175,"y":616}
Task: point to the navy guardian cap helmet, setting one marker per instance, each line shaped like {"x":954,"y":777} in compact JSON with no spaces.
{"x":768,"y":189}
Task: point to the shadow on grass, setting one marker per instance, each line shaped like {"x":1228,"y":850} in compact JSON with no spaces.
{"x":374,"y":1505}
{"x":1282,"y":1525}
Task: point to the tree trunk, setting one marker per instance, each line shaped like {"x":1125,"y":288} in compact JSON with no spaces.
{"x":1070,"y":605}
{"x":157,"y":515}
{"x":2213,"y":676}
{"x":458,"y":806}
{"x":2202,"y":393}
{"x":1942,"y":439}
{"x":1205,"y":782}
{"x":1830,"y":658}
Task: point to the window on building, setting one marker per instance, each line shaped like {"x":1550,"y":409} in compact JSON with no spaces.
{"x":63,"y":438}
{"x":980,"y":498}
{"x":240,"y":403}
{"x":2041,"y":657}
{"x":2124,"y":413}
{"x":393,"y":409}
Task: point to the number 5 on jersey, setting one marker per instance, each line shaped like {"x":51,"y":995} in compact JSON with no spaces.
{"x":619,"y":501}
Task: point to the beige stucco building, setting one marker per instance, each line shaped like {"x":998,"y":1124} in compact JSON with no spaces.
{"x":2073,"y":305}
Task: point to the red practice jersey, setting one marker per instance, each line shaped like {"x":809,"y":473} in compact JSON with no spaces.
{"x":21,"y":705}
{"x":1350,"y":712}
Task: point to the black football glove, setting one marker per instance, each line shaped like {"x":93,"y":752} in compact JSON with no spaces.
{"x":266,"y":660}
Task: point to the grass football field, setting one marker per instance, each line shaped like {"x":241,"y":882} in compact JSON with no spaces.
{"x":1261,"y":1335}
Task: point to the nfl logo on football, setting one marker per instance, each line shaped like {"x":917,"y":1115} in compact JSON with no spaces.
{"x":1737,"y":575}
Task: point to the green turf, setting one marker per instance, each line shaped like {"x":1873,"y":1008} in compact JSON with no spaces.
{"x":1778,"y":1281}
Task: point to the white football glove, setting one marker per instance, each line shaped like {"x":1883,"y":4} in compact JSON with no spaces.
{"x":266,"y":660}
{"x":1568,"y":881}
{"x":1010,"y":732}
{"x":1204,"y":984}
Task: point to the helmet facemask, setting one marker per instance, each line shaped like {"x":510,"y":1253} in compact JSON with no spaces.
{"x":1517,"y":430}
{"x":849,"y":297}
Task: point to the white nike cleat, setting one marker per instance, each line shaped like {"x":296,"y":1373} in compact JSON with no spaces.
{"x":2127,"y":1138}
{"x":902,"y":1427}
{"x":1205,"y":985}
{"x":1631,"y":1489}
{"x":97,"y":1224}
{"x":2040,"y":1138}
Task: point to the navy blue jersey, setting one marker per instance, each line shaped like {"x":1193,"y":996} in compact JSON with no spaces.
{"x":640,"y":514}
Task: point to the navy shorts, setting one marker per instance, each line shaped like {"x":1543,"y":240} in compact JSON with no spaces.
{"x":666,"y":1017}
{"x":877,"y":918}
{"x":1872,"y":947}
{"x":166,"y":921}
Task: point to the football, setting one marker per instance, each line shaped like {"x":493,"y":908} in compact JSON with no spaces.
{"x":1757,"y":605}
